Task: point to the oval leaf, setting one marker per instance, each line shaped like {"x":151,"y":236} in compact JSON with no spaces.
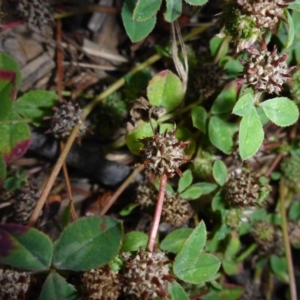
{"x":281,"y":111}
{"x":55,"y":287}
{"x":243,"y":105}
{"x":165,"y":89}
{"x":174,"y":9}
{"x":134,"y":240}
{"x":177,"y":292}
{"x":220,"y":172}
{"x":197,"y":190}
{"x":220,"y":134}
{"x":251,"y":135}
{"x":174,"y":241}
{"x":135,"y":30}
{"x":225,"y":100}
{"x":84,"y":245}
{"x":8,"y":63}
{"x":25,"y":247}
{"x":199,"y":118}
{"x":192,"y":266}
{"x":185,"y":181}
{"x":36,"y":105}
{"x":145,"y":9}
{"x":290,"y":29}
{"x":196,"y":2}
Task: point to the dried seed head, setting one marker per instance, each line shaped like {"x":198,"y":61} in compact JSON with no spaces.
{"x":146,"y":194}
{"x":66,"y":117}
{"x":26,"y":200}
{"x":238,"y":25}
{"x":102,"y":283}
{"x":294,"y":233}
{"x":146,"y":275}
{"x":176,"y":211}
{"x":36,"y":12}
{"x":244,"y":190}
{"x":266,"y":71}
{"x":13,"y":284}
{"x":163,"y":154}
{"x":267,"y":13}
{"x":268,"y":237}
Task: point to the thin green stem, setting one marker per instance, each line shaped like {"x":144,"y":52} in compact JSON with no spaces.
{"x":287,"y":246}
{"x":246,"y":253}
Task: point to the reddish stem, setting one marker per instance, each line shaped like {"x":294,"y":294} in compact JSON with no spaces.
{"x":274,"y":165}
{"x":158,"y":211}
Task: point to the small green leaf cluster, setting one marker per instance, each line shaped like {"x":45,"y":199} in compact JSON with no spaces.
{"x":16,"y":114}
{"x":139,"y":16}
{"x":280,"y":110}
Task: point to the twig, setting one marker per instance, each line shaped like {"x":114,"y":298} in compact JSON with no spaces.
{"x":288,"y":252}
{"x":69,"y":189}
{"x":158,"y":211}
{"x":52,"y":177}
{"x":274,"y":165}
{"x":86,"y":9}
{"x":120,"y":190}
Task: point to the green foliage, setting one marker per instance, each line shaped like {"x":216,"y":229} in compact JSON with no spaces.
{"x":174,"y":10}
{"x":139,"y":16}
{"x":185,"y":181}
{"x":220,"y":133}
{"x":197,"y":190}
{"x":279,"y":267}
{"x":177,"y":292}
{"x":251,"y":134}
{"x":190,"y":264}
{"x":220,"y":172}
{"x":281,"y":111}
{"x":133,"y":241}
{"x":25,"y":248}
{"x":55,"y":287}
{"x":174,"y":241}
{"x":135,"y":30}
{"x":16,"y":114}
{"x":199,"y":118}
{"x":294,"y":211}
{"x":83,"y":244}
{"x":145,"y":9}
{"x":165,"y":89}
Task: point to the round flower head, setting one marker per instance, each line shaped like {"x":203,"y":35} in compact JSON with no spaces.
{"x":266,"y":71}
{"x":13,"y":284}
{"x":102,"y":283}
{"x":66,"y":117}
{"x":244,"y":190}
{"x":36,"y":12}
{"x":267,"y":13}
{"x":163,"y":154}
{"x":146,"y":275}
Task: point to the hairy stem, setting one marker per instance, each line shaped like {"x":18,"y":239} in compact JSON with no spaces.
{"x":158,"y":211}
